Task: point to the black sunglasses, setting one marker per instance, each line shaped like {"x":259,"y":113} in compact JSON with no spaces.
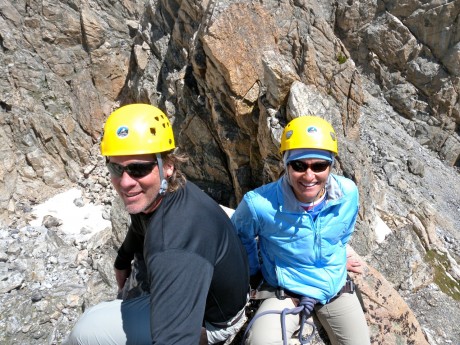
{"x":133,"y":169}
{"x":316,"y":167}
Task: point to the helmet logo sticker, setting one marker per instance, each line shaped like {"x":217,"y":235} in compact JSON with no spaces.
{"x":312,"y":130}
{"x":122,"y":132}
{"x":289,"y":134}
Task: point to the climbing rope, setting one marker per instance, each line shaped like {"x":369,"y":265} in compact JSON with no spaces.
{"x":305,"y":308}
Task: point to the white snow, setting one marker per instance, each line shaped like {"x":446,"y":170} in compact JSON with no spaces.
{"x":228,"y":210}
{"x":381,"y":230}
{"x":74,"y":219}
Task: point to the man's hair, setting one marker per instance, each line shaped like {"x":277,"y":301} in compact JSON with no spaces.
{"x":177,"y":180}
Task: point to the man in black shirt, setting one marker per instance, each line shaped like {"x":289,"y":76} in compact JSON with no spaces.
{"x":197,"y":272}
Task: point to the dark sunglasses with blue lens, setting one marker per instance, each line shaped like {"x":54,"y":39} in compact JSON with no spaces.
{"x":134,"y":169}
{"x":316,"y":167}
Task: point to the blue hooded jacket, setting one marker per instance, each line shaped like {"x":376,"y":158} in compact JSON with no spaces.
{"x":302,"y":255}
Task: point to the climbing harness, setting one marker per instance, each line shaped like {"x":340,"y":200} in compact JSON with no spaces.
{"x":304,"y":308}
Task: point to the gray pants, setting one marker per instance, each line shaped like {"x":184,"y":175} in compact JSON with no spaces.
{"x":110,"y":323}
{"x":128,"y":322}
{"x":343,"y":320}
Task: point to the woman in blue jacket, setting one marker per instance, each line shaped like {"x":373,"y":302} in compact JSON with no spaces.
{"x":295,"y":232}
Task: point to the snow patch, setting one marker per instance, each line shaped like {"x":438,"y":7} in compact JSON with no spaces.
{"x":84,"y":221}
{"x":381,"y":230}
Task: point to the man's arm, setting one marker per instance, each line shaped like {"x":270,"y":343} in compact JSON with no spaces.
{"x":132,"y":243}
{"x":121,"y":276}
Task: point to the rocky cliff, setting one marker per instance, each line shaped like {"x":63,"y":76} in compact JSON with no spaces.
{"x":231,"y":74}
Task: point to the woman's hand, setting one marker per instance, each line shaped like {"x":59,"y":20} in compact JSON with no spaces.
{"x":353,"y":265}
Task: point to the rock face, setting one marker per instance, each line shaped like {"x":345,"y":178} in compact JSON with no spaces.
{"x":230,"y":75}
{"x":63,"y":65}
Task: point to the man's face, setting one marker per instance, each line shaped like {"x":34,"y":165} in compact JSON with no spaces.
{"x":139,"y":192}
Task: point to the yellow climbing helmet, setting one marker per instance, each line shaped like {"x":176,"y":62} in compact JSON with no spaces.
{"x":309,"y":132}
{"x":136,"y":129}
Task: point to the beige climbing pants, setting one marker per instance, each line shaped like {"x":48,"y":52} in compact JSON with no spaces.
{"x":343,"y":319}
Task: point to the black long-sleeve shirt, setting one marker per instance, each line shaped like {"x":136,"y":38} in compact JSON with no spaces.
{"x":197,"y":268}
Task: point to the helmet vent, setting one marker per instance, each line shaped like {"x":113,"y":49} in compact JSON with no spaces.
{"x":153,"y":131}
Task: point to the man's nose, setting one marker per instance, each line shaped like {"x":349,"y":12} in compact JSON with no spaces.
{"x":126,"y":180}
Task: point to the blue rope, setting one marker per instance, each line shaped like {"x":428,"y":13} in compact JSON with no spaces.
{"x":304,"y":308}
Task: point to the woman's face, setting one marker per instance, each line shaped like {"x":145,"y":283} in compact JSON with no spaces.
{"x":308,"y":177}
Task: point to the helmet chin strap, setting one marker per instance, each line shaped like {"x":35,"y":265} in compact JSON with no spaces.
{"x":164,"y":182}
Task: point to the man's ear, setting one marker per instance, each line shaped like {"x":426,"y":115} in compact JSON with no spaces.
{"x":168,"y":167}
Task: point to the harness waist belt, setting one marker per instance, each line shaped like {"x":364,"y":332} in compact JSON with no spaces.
{"x":349,"y":287}
{"x":281,"y":293}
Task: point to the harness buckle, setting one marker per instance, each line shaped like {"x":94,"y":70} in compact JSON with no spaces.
{"x":349,"y":286}
{"x":352,"y":285}
{"x":279,"y":293}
